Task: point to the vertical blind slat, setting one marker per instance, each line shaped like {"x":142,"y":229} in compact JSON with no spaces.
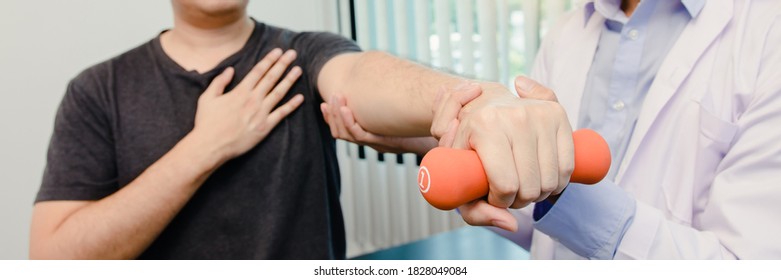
{"x":442,"y":18}
{"x":486,"y":16}
{"x":422,"y":32}
{"x":400,"y":28}
{"x":531,"y":24}
{"x":362,"y":24}
{"x":466,"y":25}
{"x":381,"y":23}
{"x":504,"y":42}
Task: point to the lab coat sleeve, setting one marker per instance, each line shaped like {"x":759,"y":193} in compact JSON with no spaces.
{"x":741,"y":217}
{"x":589,"y":220}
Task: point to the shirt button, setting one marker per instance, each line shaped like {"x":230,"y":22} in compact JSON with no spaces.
{"x":619,"y":105}
{"x":633,"y":34}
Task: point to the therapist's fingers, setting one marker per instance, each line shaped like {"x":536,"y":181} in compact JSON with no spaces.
{"x":449,"y":137}
{"x":564,"y":151}
{"x":495,"y":152}
{"x":566,"y":156}
{"x":338,"y":101}
{"x":335,"y":124}
{"x":358,"y":134}
{"x":480,"y":213}
{"x":327,"y":117}
{"x":528,"y":88}
{"x":548,"y":160}
{"x":324,"y":111}
{"x":448,"y":105}
{"x":525,"y":149}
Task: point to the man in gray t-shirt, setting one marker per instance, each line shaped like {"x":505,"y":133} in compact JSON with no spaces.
{"x":207,"y":142}
{"x":120,"y":116}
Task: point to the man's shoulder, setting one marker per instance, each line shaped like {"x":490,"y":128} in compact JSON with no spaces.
{"x":96,"y":82}
{"x":102,"y":72}
{"x":284,"y":36}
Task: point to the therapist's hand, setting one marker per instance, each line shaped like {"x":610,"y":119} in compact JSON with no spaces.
{"x":525,"y":146}
{"x":525,"y":87}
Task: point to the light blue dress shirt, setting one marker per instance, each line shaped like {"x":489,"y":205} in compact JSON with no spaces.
{"x":591,"y":220}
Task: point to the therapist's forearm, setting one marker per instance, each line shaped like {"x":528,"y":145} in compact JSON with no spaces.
{"x":388,"y":95}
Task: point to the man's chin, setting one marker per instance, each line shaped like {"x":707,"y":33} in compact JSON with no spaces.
{"x":213,"y":8}
{"x":221,"y":8}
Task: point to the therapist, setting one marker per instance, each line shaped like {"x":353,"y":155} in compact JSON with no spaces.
{"x":688,"y":95}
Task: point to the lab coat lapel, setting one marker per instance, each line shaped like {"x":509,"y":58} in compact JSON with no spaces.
{"x":692,"y":43}
{"x":579,"y":51}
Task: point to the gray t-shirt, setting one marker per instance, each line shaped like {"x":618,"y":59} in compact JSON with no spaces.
{"x":280,"y":200}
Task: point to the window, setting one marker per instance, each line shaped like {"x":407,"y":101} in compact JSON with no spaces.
{"x":493,"y":40}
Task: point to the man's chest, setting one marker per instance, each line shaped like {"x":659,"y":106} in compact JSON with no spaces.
{"x":149,"y":119}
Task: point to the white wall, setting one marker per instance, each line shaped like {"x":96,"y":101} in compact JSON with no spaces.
{"x":45,"y":43}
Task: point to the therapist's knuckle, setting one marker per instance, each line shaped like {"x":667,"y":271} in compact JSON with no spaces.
{"x":549,"y":184}
{"x":518,"y":204}
{"x":529,"y":194}
{"x":551,"y":107}
{"x":521,"y":115}
{"x":486,"y":118}
{"x":504,"y":188}
{"x":560,"y":189}
{"x":438,"y":130}
{"x":556,"y":107}
{"x":566,"y":168}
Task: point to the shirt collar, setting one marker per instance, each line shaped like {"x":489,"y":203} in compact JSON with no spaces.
{"x":694,"y":7}
{"x":609,"y":8}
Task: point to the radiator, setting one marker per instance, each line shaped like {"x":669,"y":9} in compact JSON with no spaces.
{"x":381,"y":202}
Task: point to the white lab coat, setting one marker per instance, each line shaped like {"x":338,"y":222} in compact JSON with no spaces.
{"x":704,"y":160}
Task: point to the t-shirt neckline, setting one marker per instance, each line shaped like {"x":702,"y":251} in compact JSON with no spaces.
{"x":175,"y":68}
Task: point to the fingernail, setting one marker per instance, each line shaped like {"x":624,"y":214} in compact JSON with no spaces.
{"x":524,"y":83}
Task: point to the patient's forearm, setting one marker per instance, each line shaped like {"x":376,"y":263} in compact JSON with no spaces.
{"x":388,"y":95}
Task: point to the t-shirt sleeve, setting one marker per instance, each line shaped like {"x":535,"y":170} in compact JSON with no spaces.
{"x":316,"y":48}
{"x":81,"y":160}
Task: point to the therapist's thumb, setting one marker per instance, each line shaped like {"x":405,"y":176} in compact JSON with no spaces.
{"x":480,"y":213}
{"x":528,"y":88}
